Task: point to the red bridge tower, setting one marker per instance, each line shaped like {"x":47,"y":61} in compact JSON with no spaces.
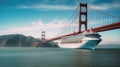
{"x":82,"y":16}
{"x":43,"y":36}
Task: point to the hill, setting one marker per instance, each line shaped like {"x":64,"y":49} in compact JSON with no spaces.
{"x":19,"y":40}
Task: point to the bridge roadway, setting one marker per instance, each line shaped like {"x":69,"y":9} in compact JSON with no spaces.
{"x":97,"y":29}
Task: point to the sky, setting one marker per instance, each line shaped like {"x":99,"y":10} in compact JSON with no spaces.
{"x":30,"y":17}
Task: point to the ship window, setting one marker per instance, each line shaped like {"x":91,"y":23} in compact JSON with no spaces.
{"x":92,"y":35}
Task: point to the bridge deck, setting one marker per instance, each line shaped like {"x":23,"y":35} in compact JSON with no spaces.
{"x":98,"y":29}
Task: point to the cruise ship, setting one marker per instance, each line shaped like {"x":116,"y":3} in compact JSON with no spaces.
{"x":86,"y":40}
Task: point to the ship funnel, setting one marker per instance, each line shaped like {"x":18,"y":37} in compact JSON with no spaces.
{"x":91,"y":31}
{"x":85,"y":31}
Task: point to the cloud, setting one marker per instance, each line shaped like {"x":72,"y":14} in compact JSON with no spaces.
{"x":99,"y":7}
{"x":48,"y":7}
{"x":106,"y":6}
{"x":70,"y":5}
{"x":50,"y":25}
{"x":36,"y":27}
{"x":67,"y":5}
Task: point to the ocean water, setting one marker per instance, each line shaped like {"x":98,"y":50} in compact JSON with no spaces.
{"x":58,"y":57}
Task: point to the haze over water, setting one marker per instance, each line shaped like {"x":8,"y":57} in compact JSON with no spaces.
{"x":58,"y":57}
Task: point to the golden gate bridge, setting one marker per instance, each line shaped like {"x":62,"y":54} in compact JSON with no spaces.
{"x":107,"y":22}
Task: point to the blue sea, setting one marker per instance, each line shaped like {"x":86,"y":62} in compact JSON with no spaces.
{"x":58,"y":57}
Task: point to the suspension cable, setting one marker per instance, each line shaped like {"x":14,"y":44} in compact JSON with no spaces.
{"x":68,"y":21}
{"x":103,"y":12}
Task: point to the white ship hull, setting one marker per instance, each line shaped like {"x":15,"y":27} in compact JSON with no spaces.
{"x":80,"y":41}
{"x":85,"y":44}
